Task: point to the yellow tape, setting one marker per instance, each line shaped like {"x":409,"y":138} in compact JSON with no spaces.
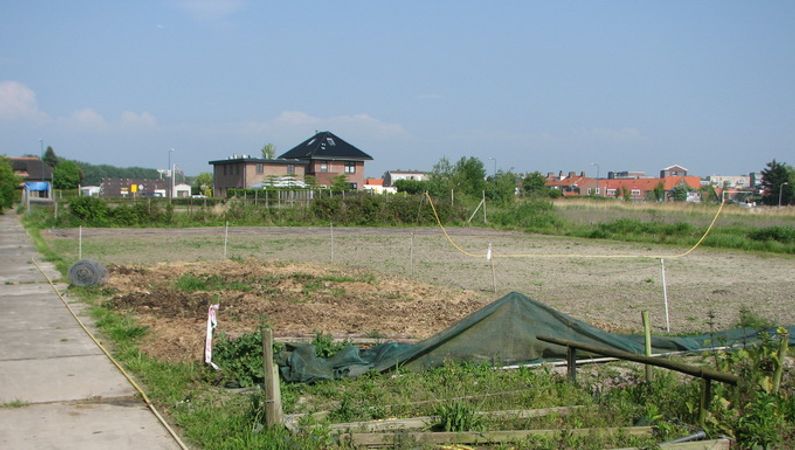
{"x":572,"y":255}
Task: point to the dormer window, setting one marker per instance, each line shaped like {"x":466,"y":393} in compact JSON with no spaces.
{"x":330,"y":141}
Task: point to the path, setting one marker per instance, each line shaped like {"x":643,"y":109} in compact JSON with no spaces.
{"x":57,"y":389}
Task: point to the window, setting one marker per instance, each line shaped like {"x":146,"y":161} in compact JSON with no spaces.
{"x":354,"y":186}
{"x":290,"y":169}
{"x":324,"y":166}
{"x":260,"y":169}
{"x":331,"y":141}
{"x":224,"y":170}
{"x":636,"y":192}
{"x":350,"y":167}
{"x":611,"y":192}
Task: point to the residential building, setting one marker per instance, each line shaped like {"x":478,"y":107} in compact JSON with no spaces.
{"x":327,"y":156}
{"x":626,"y":174}
{"x":391,"y":176}
{"x":638,"y":188}
{"x":36,"y":175}
{"x":247,"y":172}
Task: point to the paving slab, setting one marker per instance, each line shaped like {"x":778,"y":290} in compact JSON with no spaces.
{"x":46,"y":343}
{"x":82,"y":426}
{"x":61,"y":379}
{"x":34,"y":316}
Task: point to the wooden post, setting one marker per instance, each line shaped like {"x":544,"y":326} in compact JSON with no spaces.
{"x":571,"y":363}
{"x":647,"y":332}
{"x":226,"y":236}
{"x":484,"y":208}
{"x":55,"y":202}
{"x":80,"y":243}
{"x":706,"y":399}
{"x":273,"y":397}
{"x":783,"y":343}
{"x":331,"y":232}
{"x":256,"y":198}
{"x":266,"y":200}
{"x":490,"y":255}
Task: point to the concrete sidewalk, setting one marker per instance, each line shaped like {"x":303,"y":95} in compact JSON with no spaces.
{"x":57,"y":389}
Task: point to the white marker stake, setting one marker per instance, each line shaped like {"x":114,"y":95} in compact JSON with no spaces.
{"x":490,"y":258}
{"x":80,"y":243}
{"x":665,"y":295}
{"x":212,"y":322}
{"x":226,"y":236}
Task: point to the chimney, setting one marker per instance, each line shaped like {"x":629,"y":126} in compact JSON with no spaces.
{"x":582,"y":174}
{"x":572,"y":174}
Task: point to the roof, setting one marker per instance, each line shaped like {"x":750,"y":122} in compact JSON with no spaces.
{"x":676,"y":166}
{"x":30,"y":167}
{"x":326,"y":145}
{"x":374,"y":181}
{"x":258,"y":161}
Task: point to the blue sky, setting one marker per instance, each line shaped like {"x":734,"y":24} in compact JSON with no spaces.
{"x":545,"y":86}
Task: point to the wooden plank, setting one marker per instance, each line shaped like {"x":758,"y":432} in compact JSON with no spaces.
{"x":712,"y":444}
{"x":472,"y":437}
{"x":418,"y":423}
{"x":696,"y":371}
{"x":273,"y":398}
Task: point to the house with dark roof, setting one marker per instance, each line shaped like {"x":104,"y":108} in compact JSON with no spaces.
{"x":327,"y":156}
{"x":36,"y":175}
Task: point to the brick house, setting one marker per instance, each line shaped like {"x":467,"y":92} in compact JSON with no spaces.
{"x":326,"y":155}
{"x":244,"y":171}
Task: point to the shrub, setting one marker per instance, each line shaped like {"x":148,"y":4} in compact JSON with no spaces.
{"x":781,"y":234}
{"x":91,"y":210}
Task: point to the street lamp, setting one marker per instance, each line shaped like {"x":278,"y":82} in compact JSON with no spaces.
{"x":597,"y":177}
{"x":781,"y":191}
{"x":171,"y":175}
{"x":495,"y":165}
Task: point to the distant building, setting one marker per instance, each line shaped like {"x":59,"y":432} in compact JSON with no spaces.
{"x":376,"y":186}
{"x":730,"y":181}
{"x":391,"y":176}
{"x":133,"y":187}
{"x":673,"y":171}
{"x":89,"y":191}
{"x":626,"y":175}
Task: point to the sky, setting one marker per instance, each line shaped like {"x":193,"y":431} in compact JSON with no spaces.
{"x":522,"y":85}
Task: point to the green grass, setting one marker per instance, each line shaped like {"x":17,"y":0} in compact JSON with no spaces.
{"x":14,"y":404}
{"x":192,"y":283}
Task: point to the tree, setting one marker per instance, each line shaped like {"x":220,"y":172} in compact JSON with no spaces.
{"x":411,"y":186}
{"x":534,"y":183}
{"x":469,"y":176}
{"x":340,"y":183}
{"x":659,"y":192}
{"x":203,"y":184}
{"x":50,"y":158}
{"x":773,"y":179}
{"x":67,"y":175}
{"x":502,"y":187}
{"x":9,"y":181}
{"x":268,"y":151}
{"x":679,"y":192}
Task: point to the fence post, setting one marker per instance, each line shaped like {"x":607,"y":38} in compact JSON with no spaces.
{"x":80,"y":243}
{"x":484,"y":208}
{"x":571,"y":363}
{"x":411,"y":256}
{"x":273,"y":397}
{"x":331,"y":231}
{"x":647,"y":333}
{"x":706,"y":399}
{"x":226,"y":236}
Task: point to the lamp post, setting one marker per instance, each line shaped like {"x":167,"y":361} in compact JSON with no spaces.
{"x":495,"y":165}
{"x":171,"y":175}
{"x":781,"y":191}
{"x":597,"y":177}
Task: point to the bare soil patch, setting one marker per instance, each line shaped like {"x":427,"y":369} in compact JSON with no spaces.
{"x":296,"y":299}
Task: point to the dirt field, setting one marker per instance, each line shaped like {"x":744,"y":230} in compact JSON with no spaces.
{"x":443,"y":286}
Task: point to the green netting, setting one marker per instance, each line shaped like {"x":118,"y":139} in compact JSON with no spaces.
{"x":502,"y":333}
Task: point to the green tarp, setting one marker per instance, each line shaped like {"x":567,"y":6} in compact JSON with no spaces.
{"x":502,"y":333}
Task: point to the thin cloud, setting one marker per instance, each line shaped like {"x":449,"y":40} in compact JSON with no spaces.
{"x":210,"y":9}
{"x":18,"y":102}
{"x":290,"y":122}
{"x":138,"y":120}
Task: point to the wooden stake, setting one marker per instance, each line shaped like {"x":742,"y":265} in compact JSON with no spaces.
{"x":331,"y":232}
{"x":226,"y":237}
{"x":490,"y":255}
{"x":484,"y":208}
{"x":571,"y":363}
{"x":647,"y":332}
{"x":80,"y":243}
{"x":273,"y":397}
{"x":411,"y":255}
